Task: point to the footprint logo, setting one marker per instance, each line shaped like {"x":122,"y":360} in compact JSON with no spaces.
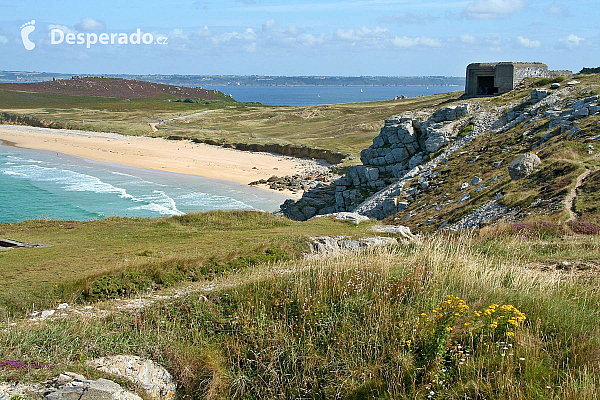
{"x":26,"y":29}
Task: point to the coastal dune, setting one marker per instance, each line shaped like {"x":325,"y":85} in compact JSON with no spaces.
{"x":157,"y":154}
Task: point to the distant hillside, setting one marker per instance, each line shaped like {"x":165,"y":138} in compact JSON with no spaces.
{"x":114,"y":87}
{"x":252,"y":80}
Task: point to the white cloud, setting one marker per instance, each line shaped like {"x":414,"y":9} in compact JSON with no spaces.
{"x":270,"y":24}
{"x":572,"y":41}
{"x":362,"y":33}
{"x":491,"y":9}
{"x":251,"y":48}
{"x":555,"y":9}
{"x":407,"y":42}
{"x":63,"y":28}
{"x":3,"y":39}
{"x":528,"y":43}
{"x":494,"y":40}
{"x":90,"y":25}
{"x":466,"y":38}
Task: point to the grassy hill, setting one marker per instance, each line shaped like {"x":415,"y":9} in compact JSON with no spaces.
{"x":344,"y":128}
{"x":369,"y":325}
{"x":113,"y":87}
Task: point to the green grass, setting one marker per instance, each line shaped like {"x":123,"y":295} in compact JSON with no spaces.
{"x":350,"y":327}
{"x":345,"y":128}
{"x":137,"y":254}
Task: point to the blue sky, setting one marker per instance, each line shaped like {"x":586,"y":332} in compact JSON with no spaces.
{"x":330,"y":37}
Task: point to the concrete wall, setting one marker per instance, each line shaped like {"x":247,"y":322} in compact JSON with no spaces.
{"x":530,"y":71}
{"x":474,"y":71}
{"x":506,"y":75}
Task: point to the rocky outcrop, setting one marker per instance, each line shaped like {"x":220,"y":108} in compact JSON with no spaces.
{"x":523,"y":165}
{"x":355,"y":218}
{"x":68,"y":386}
{"x":403,"y":231}
{"x":405,"y":142}
{"x":489,"y":212}
{"x":333,"y":245}
{"x":153,"y":378}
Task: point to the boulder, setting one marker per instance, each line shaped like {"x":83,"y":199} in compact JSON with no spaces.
{"x":346,"y":216}
{"x":523,"y":165}
{"x":155,"y":379}
{"x":403,"y":231}
{"x":538,"y":94}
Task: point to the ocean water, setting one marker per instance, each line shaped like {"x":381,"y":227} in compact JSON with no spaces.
{"x":316,"y":95}
{"x":38,"y":184}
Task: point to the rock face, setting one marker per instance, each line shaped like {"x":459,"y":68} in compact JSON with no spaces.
{"x":523,"y":165}
{"x":404,"y":143}
{"x":155,"y":380}
{"x":68,"y":386}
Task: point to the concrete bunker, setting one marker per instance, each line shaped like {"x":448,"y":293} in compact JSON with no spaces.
{"x":488,"y":79}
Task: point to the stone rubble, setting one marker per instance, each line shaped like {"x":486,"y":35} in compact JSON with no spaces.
{"x":153,"y":378}
{"x":411,"y":146}
{"x":68,"y":386}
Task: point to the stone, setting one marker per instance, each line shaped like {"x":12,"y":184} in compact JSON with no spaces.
{"x":327,"y":245}
{"x":436,"y":139}
{"x":572,"y":83}
{"x":464,"y":186}
{"x":403,"y":231}
{"x":555,"y":86}
{"x":48,"y":313}
{"x":582,"y":113}
{"x":153,"y":378}
{"x":346,"y":216}
{"x":62,"y":306}
{"x":475,"y":181}
{"x":465,"y":197}
{"x":523,"y":165}
{"x":538,"y":94}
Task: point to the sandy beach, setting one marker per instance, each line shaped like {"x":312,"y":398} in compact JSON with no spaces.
{"x":158,"y":154}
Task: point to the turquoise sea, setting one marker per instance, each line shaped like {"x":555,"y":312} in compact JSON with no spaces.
{"x":38,"y":184}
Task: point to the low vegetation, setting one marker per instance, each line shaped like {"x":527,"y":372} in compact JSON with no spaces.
{"x":483,"y":316}
{"x":343,"y":128}
{"x":119,"y":256}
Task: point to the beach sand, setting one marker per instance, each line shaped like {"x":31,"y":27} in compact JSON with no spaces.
{"x":182,"y":157}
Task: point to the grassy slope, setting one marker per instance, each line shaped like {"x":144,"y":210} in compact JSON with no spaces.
{"x":338,"y":328}
{"x":346,"y":128}
{"x":162,"y":249}
{"x":563,"y":159}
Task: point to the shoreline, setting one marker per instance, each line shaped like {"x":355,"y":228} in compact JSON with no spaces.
{"x":182,"y":157}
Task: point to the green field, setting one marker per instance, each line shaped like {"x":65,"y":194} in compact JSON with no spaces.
{"x":371,"y":325}
{"x":166,"y":251}
{"x":345,"y":128}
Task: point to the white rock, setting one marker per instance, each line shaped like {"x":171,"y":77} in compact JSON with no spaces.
{"x":62,"y":306}
{"x":48,"y":313}
{"x":155,"y":379}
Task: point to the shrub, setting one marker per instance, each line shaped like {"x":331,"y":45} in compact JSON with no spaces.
{"x":583,"y":228}
{"x":548,"y":81}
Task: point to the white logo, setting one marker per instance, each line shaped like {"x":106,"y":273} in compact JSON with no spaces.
{"x":26,"y":29}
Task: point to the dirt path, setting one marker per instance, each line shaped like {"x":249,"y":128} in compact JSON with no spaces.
{"x":570,"y":200}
